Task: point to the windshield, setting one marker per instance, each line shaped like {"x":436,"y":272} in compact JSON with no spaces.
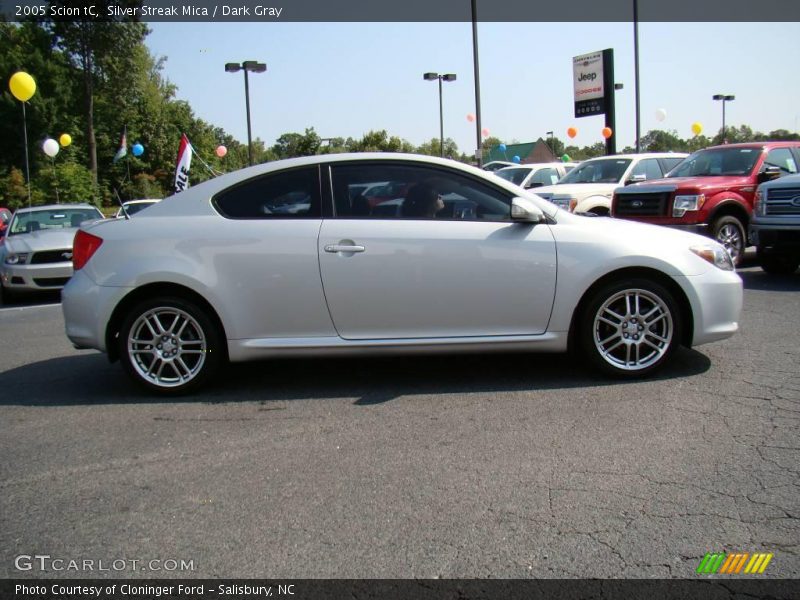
{"x":717,"y":161}
{"x":604,"y":170}
{"x":55,"y":218}
{"x":516,"y":176}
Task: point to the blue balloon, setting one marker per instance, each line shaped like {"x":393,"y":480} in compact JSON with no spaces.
{"x":515,"y":159}
{"x":502,"y":147}
{"x":137,"y":149}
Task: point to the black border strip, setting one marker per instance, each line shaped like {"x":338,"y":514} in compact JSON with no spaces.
{"x":598,"y":11}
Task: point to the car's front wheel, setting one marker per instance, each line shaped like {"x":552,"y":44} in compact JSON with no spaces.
{"x":630,"y":328}
{"x":169,"y":345}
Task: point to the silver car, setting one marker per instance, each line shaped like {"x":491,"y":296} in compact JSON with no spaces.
{"x":37,"y":249}
{"x":283,"y":259}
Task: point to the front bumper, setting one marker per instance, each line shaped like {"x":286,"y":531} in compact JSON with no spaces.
{"x":35,"y":278}
{"x":775,"y":236}
{"x":716,"y":298}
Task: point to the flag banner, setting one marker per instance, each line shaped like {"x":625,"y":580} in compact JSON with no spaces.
{"x":184,"y":164}
{"x":123,"y":145}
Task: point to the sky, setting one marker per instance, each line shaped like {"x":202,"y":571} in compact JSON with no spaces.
{"x":345,"y":79}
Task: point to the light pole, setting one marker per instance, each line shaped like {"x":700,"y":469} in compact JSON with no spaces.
{"x":255,"y":67}
{"x":440,"y":78}
{"x":552,"y":145}
{"x":724,"y":98}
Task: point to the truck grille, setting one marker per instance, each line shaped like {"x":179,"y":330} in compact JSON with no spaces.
{"x":641,"y":204}
{"x":51,"y":256}
{"x":783,"y":202}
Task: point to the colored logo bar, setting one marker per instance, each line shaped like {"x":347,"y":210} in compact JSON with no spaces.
{"x":734,"y":563}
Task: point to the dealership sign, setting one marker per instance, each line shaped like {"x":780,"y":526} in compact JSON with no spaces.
{"x":588,"y":79}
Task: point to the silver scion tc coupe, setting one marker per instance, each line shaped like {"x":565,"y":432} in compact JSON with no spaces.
{"x":289,"y":259}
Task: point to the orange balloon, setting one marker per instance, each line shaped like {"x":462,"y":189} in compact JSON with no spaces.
{"x":572,"y":132}
{"x":607,"y":133}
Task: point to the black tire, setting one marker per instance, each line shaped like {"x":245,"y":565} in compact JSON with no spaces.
{"x":7,"y":296}
{"x":729,"y":231}
{"x":777,"y":264}
{"x":183,"y":356}
{"x":641,"y":335}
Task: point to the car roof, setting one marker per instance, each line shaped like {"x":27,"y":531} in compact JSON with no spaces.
{"x":53,"y":207}
{"x":770,"y":144}
{"x":642,"y":155}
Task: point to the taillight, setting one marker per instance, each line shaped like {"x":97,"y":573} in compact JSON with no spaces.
{"x":84,"y":246}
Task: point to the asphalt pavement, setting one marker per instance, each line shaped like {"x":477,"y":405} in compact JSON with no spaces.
{"x":518,"y":465}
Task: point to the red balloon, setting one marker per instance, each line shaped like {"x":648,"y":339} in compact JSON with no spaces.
{"x":572,"y":132}
{"x":485,"y":132}
{"x":470,"y":117}
{"x":221,"y":151}
{"x":607,"y":133}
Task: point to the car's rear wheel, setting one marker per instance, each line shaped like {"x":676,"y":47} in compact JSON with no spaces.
{"x":169,"y":345}
{"x":777,"y":264}
{"x":630,"y":328}
{"x":730,"y":232}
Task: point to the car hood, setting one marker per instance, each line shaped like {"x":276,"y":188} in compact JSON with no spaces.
{"x":696,"y":183}
{"x":53,"y":239}
{"x":575,"y":190}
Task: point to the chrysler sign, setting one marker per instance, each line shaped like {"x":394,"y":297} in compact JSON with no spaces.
{"x":588,"y":78}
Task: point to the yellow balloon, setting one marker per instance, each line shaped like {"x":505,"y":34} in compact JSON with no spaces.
{"x":22,"y":86}
{"x":65,"y":139}
{"x":697,"y":128}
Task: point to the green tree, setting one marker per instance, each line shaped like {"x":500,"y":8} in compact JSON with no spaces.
{"x":104,"y":53}
{"x":658,"y":140}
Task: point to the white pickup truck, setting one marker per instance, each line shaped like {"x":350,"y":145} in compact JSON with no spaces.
{"x":588,"y":188}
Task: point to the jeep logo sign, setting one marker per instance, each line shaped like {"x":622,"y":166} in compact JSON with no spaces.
{"x":588,"y":76}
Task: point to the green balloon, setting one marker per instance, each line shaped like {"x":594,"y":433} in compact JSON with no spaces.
{"x":565,"y":158}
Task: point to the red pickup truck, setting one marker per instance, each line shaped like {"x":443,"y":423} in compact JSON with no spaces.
{"x":710,"y":192}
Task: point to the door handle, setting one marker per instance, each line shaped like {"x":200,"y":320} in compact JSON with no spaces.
{"x":340,"y":248}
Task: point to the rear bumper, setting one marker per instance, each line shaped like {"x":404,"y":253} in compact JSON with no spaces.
{"x":87,"y":309}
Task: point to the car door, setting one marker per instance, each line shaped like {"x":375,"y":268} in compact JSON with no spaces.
{"x":465,"y":271}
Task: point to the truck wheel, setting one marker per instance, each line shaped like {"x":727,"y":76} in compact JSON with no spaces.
{"x":777,"y":264}
{"x":729,"y":232}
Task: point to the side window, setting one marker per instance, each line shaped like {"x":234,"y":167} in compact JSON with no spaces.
{"x":783,"y":159}
{"x":648,"y":167}
{"x":395,"y":191}
{"x":284,"y":195}
{"x":670,"y":163}
{"x":547,"y":176}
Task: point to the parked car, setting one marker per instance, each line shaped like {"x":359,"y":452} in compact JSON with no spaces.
{"x":775,"y":227}
{"x":494,"y":165}
{"x":5,"y":219}
{"x":589,"y":186}
{"x":132,"y":207}
{"x":536,"y":174}
{"x":711,"y":192}
{"x":37,"y":250}
{"x":215,"y":276}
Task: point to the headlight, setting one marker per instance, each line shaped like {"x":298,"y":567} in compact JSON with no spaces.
{"x":715,"y":254}
{"x":16,"y":259}
{"x":563,"y":202}
{"x":684,"y":203}
{"x":759,"y":206}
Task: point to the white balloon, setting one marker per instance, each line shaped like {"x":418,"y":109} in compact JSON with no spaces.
{"x":661,"y":114}
{"x":50,"y":147}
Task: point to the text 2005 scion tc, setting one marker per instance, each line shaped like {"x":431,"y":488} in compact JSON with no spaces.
{"x":290,"y":258}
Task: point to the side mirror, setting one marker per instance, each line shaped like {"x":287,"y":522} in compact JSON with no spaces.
{"x":525,"y":211}
{"x":769,"y":174}
{"x":636,"y":179}
{"x":533,"y":184}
